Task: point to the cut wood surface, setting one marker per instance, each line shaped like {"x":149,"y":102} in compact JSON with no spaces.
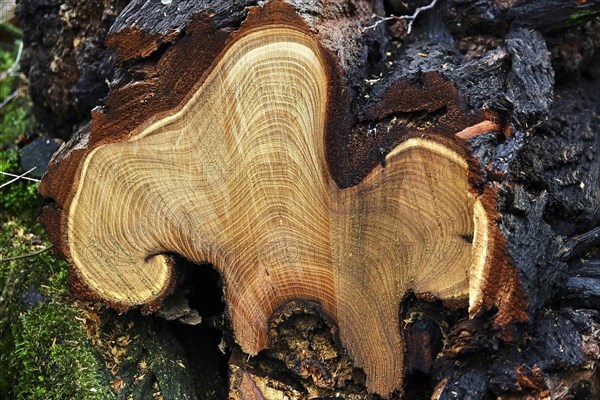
{"x":237,"y":173}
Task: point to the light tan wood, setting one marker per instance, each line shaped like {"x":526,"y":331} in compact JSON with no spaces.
{"x":478,"y":129}
{"x":237,"y":177}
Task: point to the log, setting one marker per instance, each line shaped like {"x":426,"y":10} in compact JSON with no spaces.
{"x":323,"y":169}
{"x":241,"y":174}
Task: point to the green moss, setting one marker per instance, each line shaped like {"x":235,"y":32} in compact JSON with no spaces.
{"x":7,"y":55}
{"x":16,"y":278}
{"x":20,"y":197}
{"x":55,"y":359}
{"x":580,"y":16}
{"x":44,"y":348}
{"x":15,"y":117}
{"x":15,"y":121}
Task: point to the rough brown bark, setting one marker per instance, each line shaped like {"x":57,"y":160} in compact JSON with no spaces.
{"x":463,"y":63}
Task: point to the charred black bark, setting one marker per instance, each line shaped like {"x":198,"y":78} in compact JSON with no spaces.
{"x":65,"y":59}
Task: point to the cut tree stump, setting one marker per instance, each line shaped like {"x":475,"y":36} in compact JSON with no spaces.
{"x":316,"y":166}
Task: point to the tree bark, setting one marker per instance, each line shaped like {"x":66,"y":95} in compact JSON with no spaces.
{"x":513,"y":100}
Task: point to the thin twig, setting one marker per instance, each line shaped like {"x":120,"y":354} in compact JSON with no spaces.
{"x":13,"y":68}
{"x":23,"y":177}
{"x":379,"y":21}
{"x":35,"y":253}
{"x":410,"y":18}
{"x":10,"y":98}
{"x":16,"y":178}
{"x":418,"y":11}
{"x":12,"y":71}
{"x":579,"y":244}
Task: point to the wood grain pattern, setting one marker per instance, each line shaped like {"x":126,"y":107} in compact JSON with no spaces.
{"x":237,"y":178}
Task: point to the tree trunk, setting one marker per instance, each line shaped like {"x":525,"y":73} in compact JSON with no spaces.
{"x":399,"y":208}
